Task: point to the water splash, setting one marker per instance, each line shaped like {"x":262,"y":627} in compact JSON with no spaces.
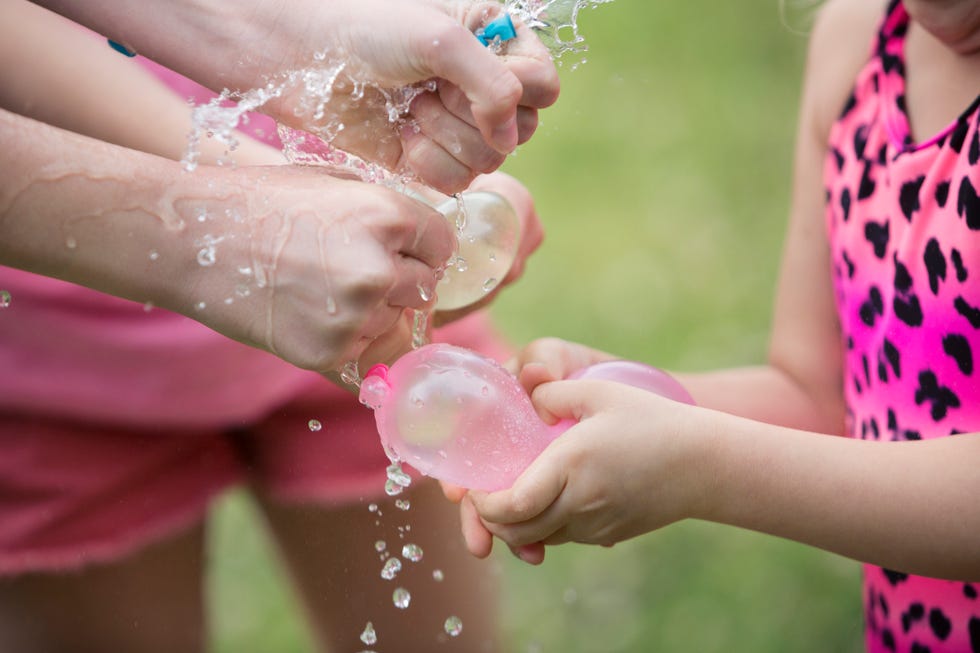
{"x":555,"y":22}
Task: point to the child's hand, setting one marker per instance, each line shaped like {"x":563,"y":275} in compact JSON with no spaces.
{"x":631,"y":465}
{"x":551,"y":359}
{"x":531,"y":235}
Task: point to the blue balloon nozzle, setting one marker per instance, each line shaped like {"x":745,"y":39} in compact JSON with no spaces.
{"x":499,"y":29}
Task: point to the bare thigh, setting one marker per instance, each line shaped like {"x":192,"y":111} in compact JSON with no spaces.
{"x":149,"y":602}
{"x":332,"y":556}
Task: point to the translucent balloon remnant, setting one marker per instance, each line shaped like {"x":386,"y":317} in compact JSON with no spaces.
{"x":488,"y":232}
{"x":460,"y":417}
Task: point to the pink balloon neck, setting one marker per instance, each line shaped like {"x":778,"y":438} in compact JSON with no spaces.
{"x":374,"y":386}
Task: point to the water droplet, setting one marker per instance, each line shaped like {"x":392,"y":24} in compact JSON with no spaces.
{"x":393,"y":489}
{"x":206,"y":256}
{"x":331,"y":305}
{"x":461,"y":264}
{"x":380,"y":546}
{"x":437,"y":575}
{"x":397,"y":475}
{"x":373,"y":507}
{"x":454,"y":626}
{"x":489,"y":284}
{"x":314,"y":425}
{"x":412,"y":552}
{"x":424,"y":293}
{"x":369,"y":637}
{"x":200,"y":306}
{"x":403,"y":504}
{"x":70,"y":242}
{"x":391,"y":568}
{"x":401,"y":598}
{"x":154,"y":255}
{"x":349,"y":374}
{"x":148,"y":306}
{"x":242,"y":290}
{"x":4,"y":298}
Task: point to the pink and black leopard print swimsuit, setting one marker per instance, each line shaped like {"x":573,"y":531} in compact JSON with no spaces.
{"x":903,"y":221}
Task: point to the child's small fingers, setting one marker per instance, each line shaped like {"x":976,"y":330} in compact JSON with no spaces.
{"x":478,"y":539}
{"x":452,"y":492}
{"x":532,"y":554}
{"x":534,"y":374}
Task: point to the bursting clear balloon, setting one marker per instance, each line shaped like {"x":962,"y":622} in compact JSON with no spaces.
{"x":488,"y":235}
{"x":461,"y":417}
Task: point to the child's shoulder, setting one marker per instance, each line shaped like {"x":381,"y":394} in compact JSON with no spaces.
{"x":840,"y":44}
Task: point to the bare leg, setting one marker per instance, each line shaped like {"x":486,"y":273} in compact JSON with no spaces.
{"x":332,"y":557}
{"x":150,"y":602}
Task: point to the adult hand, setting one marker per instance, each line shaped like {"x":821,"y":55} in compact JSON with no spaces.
{"x":483,"y":106}
{"x":288,"y":259}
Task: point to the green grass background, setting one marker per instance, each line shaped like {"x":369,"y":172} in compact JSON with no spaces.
{"x":662,"y":180}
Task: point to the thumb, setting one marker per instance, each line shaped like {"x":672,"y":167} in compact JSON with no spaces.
{"x":532,"y":493}
{"x":571,"y":399}
{"x":493,"y":90}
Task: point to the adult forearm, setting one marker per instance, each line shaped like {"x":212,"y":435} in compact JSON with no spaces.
{"x":213,"y":42}
{"x":91,"y":213}
{"x":871,"y":501}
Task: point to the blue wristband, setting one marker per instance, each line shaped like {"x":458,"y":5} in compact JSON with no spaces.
{"x":121,"y":49}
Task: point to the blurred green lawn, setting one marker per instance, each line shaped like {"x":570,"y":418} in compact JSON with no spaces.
{"x":662,"y":180}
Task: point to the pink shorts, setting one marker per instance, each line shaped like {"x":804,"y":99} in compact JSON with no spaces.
{"x":73,"y":493}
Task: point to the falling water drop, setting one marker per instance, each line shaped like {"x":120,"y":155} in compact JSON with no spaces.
{"x":412,"y":552}
{"x":369,"y":637}
{"x":401,"y":598}
{"x":391,"y":568}
{"x":454,"y":626}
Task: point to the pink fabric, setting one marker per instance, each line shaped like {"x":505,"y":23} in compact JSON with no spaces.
{"x":903,"y":221}
{"x":118,"y":424}
{"x":75,"y":491}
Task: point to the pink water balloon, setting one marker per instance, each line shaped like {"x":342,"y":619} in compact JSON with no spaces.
{"x":461,"y":417}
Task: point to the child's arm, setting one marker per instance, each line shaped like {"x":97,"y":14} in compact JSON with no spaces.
{"x":77,"y":82}
{"x":637,"y":462}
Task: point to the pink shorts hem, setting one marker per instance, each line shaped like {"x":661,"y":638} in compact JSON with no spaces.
{"x":74,"y":557}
